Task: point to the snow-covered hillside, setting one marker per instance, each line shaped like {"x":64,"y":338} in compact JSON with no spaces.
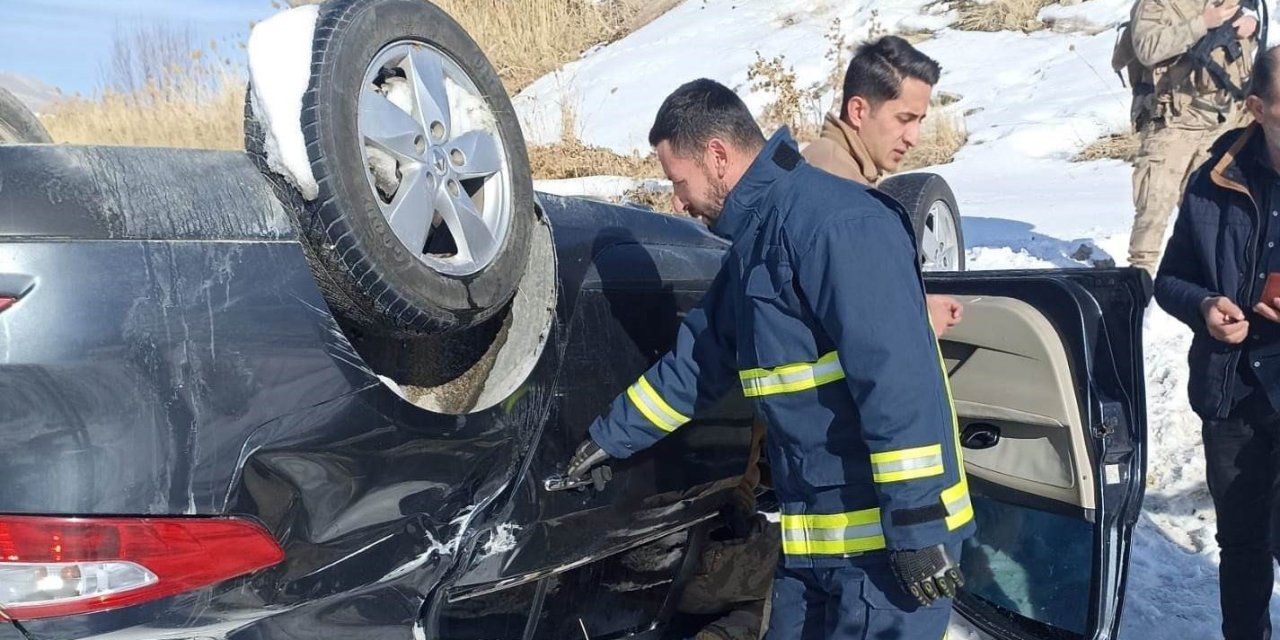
{"x":1030,"y":102}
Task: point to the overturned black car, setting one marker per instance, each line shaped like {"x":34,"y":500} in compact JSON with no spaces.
{"x":231,"y":411}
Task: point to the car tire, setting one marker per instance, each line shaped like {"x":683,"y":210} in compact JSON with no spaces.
{"x":17,"y":124}
{"x":459,"y":183}
{"x":935,"y":218}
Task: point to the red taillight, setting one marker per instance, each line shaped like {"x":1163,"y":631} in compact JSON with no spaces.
{"x":6,"y":302}
{"x":53,"y":567}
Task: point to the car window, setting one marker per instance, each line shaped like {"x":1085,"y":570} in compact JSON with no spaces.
{"x":1030,"y":563}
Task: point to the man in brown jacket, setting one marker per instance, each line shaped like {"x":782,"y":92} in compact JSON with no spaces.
{"x":885,"y":98}
{"x":1179,"y":107}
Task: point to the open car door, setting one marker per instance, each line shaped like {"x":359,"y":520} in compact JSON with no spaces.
{"x":1047,"y":378}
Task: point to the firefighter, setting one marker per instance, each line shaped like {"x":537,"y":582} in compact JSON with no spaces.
{"x":818,"y":315}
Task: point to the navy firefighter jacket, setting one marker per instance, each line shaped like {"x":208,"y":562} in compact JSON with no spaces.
{"x":818,"y":314}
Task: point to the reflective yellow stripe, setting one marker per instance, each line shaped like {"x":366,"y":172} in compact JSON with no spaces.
{"x":792,"y":377}
{"x":959,"y":507}
{"x":956,"y":498}
{"x":831,"y":520}
{"x":832,"y":534}
{"x":907,"y":464}
{"x":653,"y":407}
{"x":832,"y":548}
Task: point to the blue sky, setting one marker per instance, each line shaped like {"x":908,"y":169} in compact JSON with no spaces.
{"x":67,"y":43}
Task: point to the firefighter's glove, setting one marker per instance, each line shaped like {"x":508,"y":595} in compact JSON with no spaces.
{"x":588,"y":455}
{"x":927,"y":574}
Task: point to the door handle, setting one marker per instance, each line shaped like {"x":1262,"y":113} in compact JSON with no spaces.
{"x":597,"y":479}
{"x":980,"y":435}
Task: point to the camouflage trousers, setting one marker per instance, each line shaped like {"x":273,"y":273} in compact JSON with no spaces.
{"x":734,"y":577}
{"x":1166,"y":158}
{"x":733,"y":581}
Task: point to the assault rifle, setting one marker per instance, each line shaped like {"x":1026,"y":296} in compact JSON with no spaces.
{"x":1224,"y":36}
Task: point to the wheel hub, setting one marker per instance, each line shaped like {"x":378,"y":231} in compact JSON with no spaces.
{"x":940,"y":241}
{"x":435,"y":159}
{"x":439,"y":162}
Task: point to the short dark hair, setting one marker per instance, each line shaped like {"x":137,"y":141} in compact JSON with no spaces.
{"x":701,"y":110}
{"x":879,"y":67}
{"x":1263,"y":82}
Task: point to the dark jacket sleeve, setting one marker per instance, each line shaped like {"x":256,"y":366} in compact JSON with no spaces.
{"x":1181,"y":283}
{"x":862,"y":283}
{"x":688,"y":379}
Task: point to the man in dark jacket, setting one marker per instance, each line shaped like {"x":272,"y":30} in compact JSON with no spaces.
{"x":818,"y":315}
{"x":1214,"y":277}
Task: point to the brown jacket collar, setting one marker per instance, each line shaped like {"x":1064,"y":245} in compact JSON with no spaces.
{"x":840,"y":151}
{"x":1227,"y":173}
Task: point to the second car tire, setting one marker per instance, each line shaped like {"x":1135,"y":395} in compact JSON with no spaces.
{"x":935,"y":218}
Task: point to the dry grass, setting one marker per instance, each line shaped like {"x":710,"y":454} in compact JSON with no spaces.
{"x":1000,"y":15}
{"x":916,"y":36}
{"x":193,"y":117}
{"x":526,"y":39}
{"x":573,"y":159}
{"x":1117,"y":146}
{"x":162,"y":90}
{"x":655,"y":199}
{"x":941,"y":138}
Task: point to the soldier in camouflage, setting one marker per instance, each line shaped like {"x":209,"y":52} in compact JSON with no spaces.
{"x":1179,"y":107}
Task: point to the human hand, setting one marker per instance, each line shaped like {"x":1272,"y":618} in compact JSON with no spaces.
{"x":1224,"y":319}
{"x":1215,"y":15}
{"x":1245,"y":26}
{"x":945,"y":312}
{"x":1269,"y":310}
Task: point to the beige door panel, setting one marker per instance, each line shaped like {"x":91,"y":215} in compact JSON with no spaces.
{"x":1009,"y":369}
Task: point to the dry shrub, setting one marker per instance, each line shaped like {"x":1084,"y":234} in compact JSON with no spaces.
{"x":160,"y":91}
{"x":792,"y":107}
{"x":940,"y":138}
{"x":800,"y":109}
{"x":1117,"y":146}
{"x":1000,"y":15}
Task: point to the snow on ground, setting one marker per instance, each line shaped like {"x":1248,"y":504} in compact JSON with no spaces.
{"x":604,"y":187}
{"x":615,"y":90}
{"x":1093,"y":16}
{"x":1030,"y":102}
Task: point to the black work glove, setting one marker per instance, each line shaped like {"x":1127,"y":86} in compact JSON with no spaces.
{"x":927,"y":574}
{"x":588,"y":455}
